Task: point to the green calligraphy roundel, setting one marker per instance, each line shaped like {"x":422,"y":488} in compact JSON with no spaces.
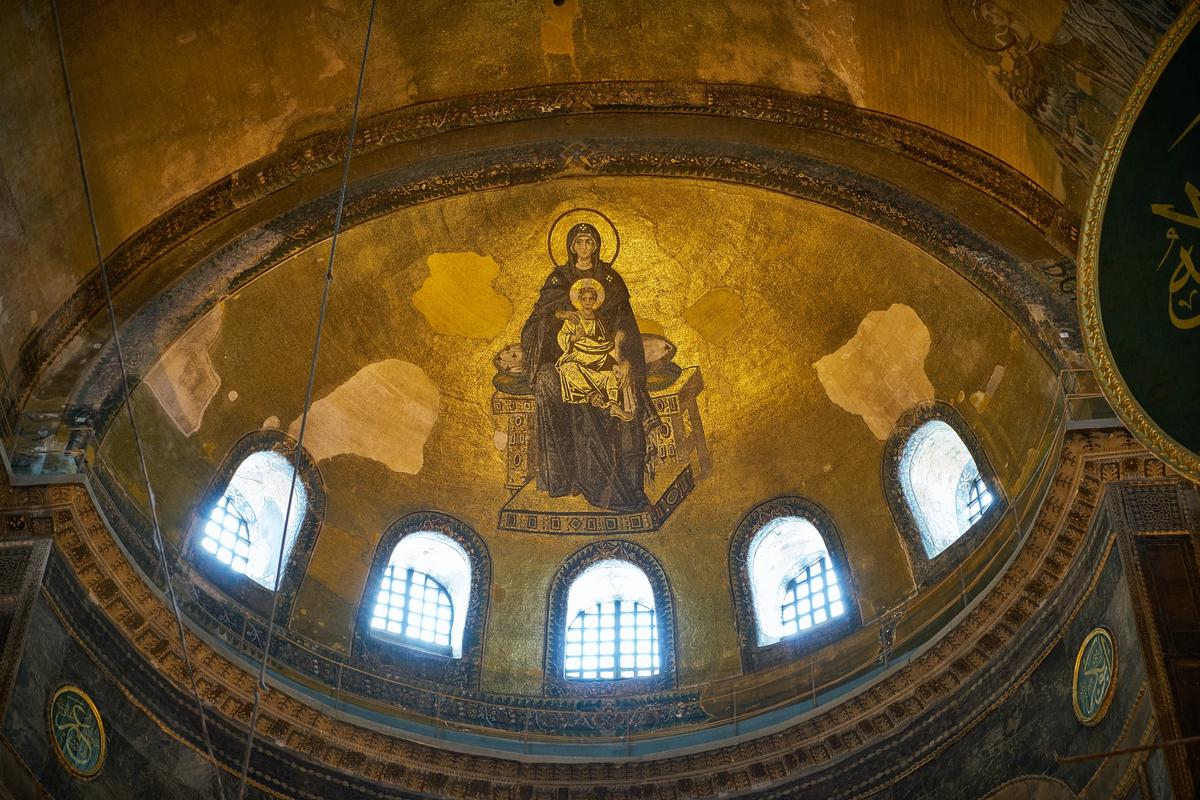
{"x":76,"y":731}
{"x":1095,"y":676}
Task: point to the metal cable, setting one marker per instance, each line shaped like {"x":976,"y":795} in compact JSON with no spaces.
{"x":261,"y":684}
{"x":164,"y":565}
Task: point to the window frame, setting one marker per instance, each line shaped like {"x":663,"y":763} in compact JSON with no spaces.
{"x":242,"y":588}
{"x":394,"y":658}
{"x":409,"y":578}
{"x":554,"y":681}
{"x":926,"y":570}
{"x":619,"y":610}
{"x":830,"y":579}
{"x":757,"y":656}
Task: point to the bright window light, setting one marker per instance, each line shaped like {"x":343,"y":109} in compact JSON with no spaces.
{"x":613,"y":630}
{"x":942,"y":485}
{"x":423,"y":596}
{"x":792,"y":580}
{"x":245,"y":526}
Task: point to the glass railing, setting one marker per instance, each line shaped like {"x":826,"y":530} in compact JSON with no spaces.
{"x":47,"y":447}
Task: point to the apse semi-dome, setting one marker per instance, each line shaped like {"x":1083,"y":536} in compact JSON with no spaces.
{"x":562,"y":399}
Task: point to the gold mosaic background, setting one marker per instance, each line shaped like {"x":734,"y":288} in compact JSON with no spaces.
{"x":813,"y":330}
{"x":170,"y":101}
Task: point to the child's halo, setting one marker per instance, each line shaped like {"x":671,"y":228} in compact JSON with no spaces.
{"x":591,"y":283}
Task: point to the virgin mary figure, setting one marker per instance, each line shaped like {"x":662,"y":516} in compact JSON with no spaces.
{"x":590,"y":443}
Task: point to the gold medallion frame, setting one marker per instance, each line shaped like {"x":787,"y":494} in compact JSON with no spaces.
{"x":1095,"y":343}
{"x":62,"y":759}
{"x":1109,"y":693}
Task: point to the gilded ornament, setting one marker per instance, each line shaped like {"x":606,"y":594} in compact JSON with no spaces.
{"x":76,"y":732}
{"x":1143,"y":350}
{"x":1094,"y":681}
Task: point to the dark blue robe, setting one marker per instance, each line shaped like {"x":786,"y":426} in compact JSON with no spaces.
{"x":582,"y":449}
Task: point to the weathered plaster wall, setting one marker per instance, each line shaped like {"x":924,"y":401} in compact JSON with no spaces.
{"x":805,"y":278}
{"x":44,"y":231}
{"x":212,"y":93}
{"x":143,"y":759}
{"x":172,"y":96}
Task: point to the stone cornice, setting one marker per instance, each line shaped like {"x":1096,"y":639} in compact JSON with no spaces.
{"x":843,"y":749}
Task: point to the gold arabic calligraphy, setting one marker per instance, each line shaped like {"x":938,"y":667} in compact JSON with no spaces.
{"x":75,"y":730}
{"x":1183,"y":289}
{"x":1097,"y":676}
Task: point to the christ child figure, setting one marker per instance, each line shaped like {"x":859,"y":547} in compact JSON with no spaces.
{"x":590,"y":367}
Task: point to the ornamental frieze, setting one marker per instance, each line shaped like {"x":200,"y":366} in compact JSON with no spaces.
{"x":917,"y":708}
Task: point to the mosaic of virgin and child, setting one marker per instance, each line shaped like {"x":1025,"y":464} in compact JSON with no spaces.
{"x":586,"y":366}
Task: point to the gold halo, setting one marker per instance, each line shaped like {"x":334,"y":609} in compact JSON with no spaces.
{"x":556,"y":240}
{"x":591,"y":282}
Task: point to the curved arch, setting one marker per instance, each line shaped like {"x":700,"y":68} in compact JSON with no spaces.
{"x":558,"y":620}
{"x":310,"y":490}
{"x":761,"y":651}
{"x":933,"y":524}
{"x":1031,"y":787}
{"x":239,"y":257}
{"x":396,"y":658}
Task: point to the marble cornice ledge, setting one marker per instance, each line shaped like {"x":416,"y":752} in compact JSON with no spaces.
{"x":918,"y":708}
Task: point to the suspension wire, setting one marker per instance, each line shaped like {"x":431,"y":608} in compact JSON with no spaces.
{"x":261,"y":684}
{"x":163,"y":563}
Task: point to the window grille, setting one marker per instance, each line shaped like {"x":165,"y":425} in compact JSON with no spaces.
{"x":251,"y":522}
{"x":978,"y":500}
{"x":811,"y":598}
{"x":613,"y":640}
{"x":939,"y":476}
{"x":227,"y":532}
{"x":415,"y":607}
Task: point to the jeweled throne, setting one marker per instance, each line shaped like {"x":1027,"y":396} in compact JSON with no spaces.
{"x":680,"y":458}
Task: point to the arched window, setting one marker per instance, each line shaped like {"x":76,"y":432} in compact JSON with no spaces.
{"x":611,"y":623}
{"x":246,"y":525}
{"x":940,"y":487}
{"x":613,"y":633}
{"x":422,"y":598}
{"x":793,"y":581}
{"x":239,"y":523}
{"x":424,"y":603}
{"x":792,"y":588}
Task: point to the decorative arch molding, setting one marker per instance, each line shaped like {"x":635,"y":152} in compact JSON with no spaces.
{"x":754,"y":655}
{"x":240,"y":587}
{"x":724,"y":133}
{"x":926,"y":570}
{"x":998,"y":274}
{"x":553,"y":682}
{"x":394,"y":660}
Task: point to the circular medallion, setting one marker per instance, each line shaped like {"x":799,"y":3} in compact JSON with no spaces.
{"x":1139,"y":266}
{"x":77,"y":732}
{"x":1095,"y":679}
